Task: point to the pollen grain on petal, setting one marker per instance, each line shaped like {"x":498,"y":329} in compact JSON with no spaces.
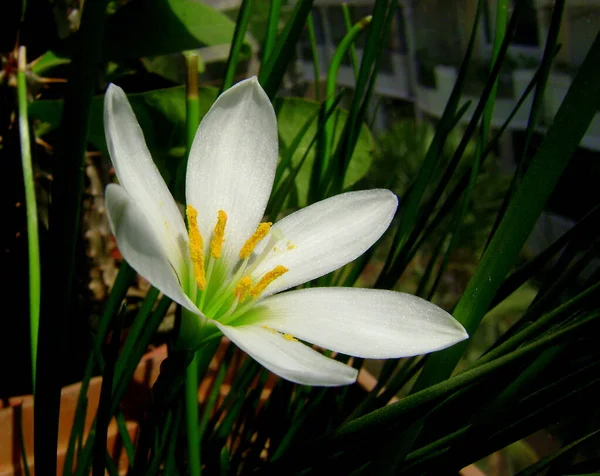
{"x":242,"y":288}
{"x":196,"y":247}
{"x":261,"y":231}
{"x":216,"y":244}
{"x":267,"y":279}
{"x":289,"y":337}
{"x":270,"y":329}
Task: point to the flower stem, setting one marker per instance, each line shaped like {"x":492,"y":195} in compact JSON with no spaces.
{"x":191,"y":373}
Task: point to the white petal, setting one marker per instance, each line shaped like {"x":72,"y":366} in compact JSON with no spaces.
{"x":326,"y":235}
{"x":368,"y":323}
{"x":141,"y":247}
{"x":140,"y":177}
{"x":232,"y":164}
{"x":289,"y":359}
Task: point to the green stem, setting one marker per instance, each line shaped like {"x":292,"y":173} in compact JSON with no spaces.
{"x":31,"y":206}
{"x":352,"y":52}
{"x":330,"y":85}
{"x":192,"y":109}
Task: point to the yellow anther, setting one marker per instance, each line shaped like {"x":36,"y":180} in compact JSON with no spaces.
{"x":196,"y":246}
{"x":267,"y":279}
{"x":242,"y":288}
{"x":290,"y":337}
{"x":216,"y":244}
{"x":261,"y":231}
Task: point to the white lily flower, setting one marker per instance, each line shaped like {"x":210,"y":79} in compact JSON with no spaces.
{"x":226,"y":267}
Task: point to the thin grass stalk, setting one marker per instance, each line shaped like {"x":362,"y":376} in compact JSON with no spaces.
{"x":170,"y":464}
{"x":224,"y":462}
{"x":136,"y":328}
{"x":239,"y":34}
{"x":499,"y":37}
{"x":33,"y":245}
{"x":332,"y":74}
{"x":528,"y":269}
{"x":570,"y":275}
{"x":570,"y":124}
{"x":211,"y":401}
{"x":565,"y":453}
{"x":272,"y":70}
{"x":126,"y":439}
{"x":352,"y":52}
{"x":103,"y":414}
{"x":79,"y":419}
{"x":111,"y":467}
{"x":18,"y":412}
{"x":64,"y":218}
{"x":272,"y":24}
{"x":312,"y":38}
{"x":433,"y":260}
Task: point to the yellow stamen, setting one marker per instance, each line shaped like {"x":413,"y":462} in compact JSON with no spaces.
{"x":216,"y":245}
{"x":267,"y":279}
{"x":242,"y":288}
{"x":259,"y":234}
{"x":290,"y":337}
{"x":196,"y":246}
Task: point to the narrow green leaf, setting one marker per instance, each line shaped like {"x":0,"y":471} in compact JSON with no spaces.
{"x":330,"y":86}
{"x":103,"y":415}
{"x":236,"y":45}
{"x":312,"y":38}
{"x":272,"y":70}
{"x":565,"y":453}
{"x":272,"y":25}
{"x":33,"y":245}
